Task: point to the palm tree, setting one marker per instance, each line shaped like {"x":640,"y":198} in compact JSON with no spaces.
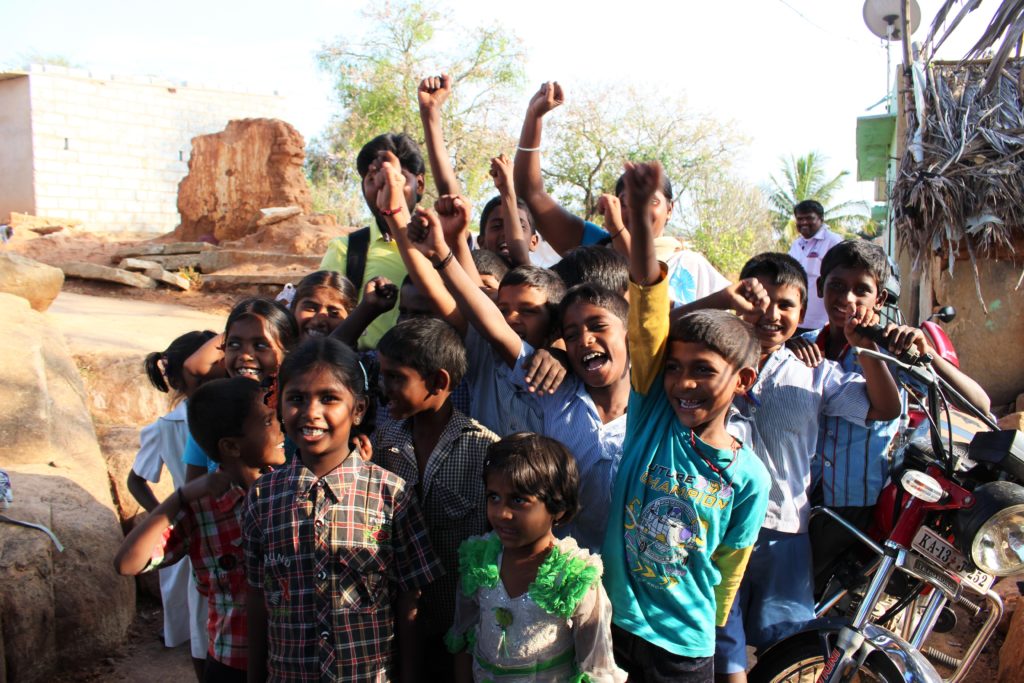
{"x":804,"y":178}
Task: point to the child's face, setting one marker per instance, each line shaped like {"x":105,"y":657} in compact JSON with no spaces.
{"x":318,"y":412}
{"x":319,"y":312}
{"x":494,"y":233}
{"x":846,"y":289}
{"x":595,"y":340}
{"x":660,"y":208}
{"x":700,"y":384}
{"x":526,"y":312}
{"x":519,"y":520}
{"x":412,"y":302}
{"x":262,"y":442}
{"x":408,"y":392}
{"x":250,"y":350}
{"x":779,"y":322}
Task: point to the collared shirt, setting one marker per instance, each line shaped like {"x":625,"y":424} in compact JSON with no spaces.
{"x":451,"y":496}
{"x":209,"y":532}
{"x":810,"y":252}
{"x":495,"y":402}
{"x":382,"y":259}
{"x":852,"y":461}
{"x":330,"y":554}
{"x":571,"y":417}
{"x":784,"y":407}
{"x":163,"y":443}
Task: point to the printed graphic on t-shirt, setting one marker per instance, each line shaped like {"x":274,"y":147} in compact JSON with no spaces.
{"x":682,"y":286}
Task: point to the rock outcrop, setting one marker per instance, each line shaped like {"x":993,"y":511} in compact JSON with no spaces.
{"x":251,"y":165}
{"x":58,"y":609}
{"x":37,"y":282}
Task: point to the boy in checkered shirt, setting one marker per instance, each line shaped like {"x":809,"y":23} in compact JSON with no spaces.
{"x":228,"y":419}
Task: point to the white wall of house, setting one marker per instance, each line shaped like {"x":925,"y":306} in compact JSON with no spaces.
{"x":16,"y":192}
{"x":110,"y":152}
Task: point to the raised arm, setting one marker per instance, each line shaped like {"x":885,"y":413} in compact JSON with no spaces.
{"x":454,"y":212}
{"x":642,"y":181}
{"x":515,"y":236}
{"x":432,"y":93}
{"x":379,"y":296}
{"x":478,"y":308}
{"x":611,"y":208}
{"x":207,"y":362}
{"x":560,"y":228}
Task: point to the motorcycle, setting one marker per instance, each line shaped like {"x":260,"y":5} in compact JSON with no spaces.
{"x":955,"y":522}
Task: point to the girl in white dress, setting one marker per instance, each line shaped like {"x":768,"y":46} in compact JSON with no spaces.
{"x":531,"y":607}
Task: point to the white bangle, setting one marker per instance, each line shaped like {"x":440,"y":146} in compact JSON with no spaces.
{"x":528,"y":149}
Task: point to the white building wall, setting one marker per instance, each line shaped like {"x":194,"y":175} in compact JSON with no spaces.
{"x":111,"y":152}
{"x":16,"y":192}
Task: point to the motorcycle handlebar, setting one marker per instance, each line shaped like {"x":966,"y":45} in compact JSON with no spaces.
{"x":876,"y":333}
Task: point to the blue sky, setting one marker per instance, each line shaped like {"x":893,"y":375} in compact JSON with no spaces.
{"x":793,"y":74}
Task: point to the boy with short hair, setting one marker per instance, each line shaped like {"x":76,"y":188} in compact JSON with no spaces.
{"x":228,"y":419}
{"x":783,"y":408}
{"x":438,"y":451}
{"x":689,"y":497}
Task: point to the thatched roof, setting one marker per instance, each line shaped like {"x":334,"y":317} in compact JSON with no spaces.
{"x":960,"y":185}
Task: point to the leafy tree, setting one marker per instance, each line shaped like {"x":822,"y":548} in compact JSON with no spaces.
{"x":805,"y":178}
{"x":588,"y":140}
{"x":376,"y":77}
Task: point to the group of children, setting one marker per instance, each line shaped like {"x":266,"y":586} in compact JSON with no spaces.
{"x":443,"y":463}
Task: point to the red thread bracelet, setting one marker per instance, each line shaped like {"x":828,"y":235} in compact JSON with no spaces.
{"x":390,"y":212}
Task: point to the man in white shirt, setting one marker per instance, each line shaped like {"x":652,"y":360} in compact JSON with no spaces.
{"x":809,"y":249}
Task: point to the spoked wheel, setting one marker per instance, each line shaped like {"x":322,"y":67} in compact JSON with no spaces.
{"x":803,"y":660}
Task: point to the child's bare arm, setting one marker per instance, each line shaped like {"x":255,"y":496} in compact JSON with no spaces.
{"x":208,"y":360}
{"x":423,"y":275}
{"x":883,"y":394}
{"x":642,"y":181}
{"x":432,"y":93}
{"x":256,"y":616}
{"x":478,"y":308}
{"x":142,"y":492}
{"x":136,"y":552}
{"x":379,"y":296}
{"x":561,"y":229}
{"x":611,"y":208}
{"x":902,"y":338}
{"x":453,"y":211}
{"x":405,"y":629}
{"x":746,"y":297}
{"x":515,"y":235}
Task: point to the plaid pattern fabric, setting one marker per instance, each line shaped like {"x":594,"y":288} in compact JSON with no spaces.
{"x":329,"y":554}
{"x":209,"y":532}
{"x":451,"y":495}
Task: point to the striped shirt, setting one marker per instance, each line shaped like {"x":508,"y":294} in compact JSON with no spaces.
{"x":494,"y":402}
{"x":451,"y":495}
{"x":784,"y":407}
{"x":330,"y":554}
{"x":208,"y":531}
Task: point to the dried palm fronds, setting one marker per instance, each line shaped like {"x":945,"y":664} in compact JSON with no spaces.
{"x":967,"y":192}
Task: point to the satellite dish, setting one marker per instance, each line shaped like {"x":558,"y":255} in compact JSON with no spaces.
{"x":883,"y":17}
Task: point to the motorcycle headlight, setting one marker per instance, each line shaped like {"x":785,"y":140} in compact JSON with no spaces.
{"x":992,"y":530}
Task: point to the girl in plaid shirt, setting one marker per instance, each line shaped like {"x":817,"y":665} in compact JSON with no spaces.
{"x":336,"y":547}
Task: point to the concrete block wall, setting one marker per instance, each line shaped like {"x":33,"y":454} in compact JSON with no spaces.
{"x":111,"y":151}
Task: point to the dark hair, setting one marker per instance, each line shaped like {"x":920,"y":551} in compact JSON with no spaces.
{"x":489,"y":263}
{"x":172,"y":359}
{"x":595,"y":265}
{"x":777,"y":269}
{"x":666,"y":186}
{"x":598,"y":296}
{"x":341,"y":361}
{"x":331,"y":280}
{"x":857,"y":254}
{"x":399,"y":144}
{"x":809,"y":206}
{"x":538,"y":466}
{"x":219,"y":410}
{"x":535,"y":276}
{"x":280,"y":321}
{"x":426,"y":345}
{"x":729,"y":336}
{"x":495,"y":202}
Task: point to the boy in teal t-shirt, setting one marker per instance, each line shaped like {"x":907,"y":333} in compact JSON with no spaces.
{"x":689,"y":498}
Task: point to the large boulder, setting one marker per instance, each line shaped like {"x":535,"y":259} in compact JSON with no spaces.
{"x":251,"y":165}
{"x":59,"y":609}
{"x":34,"y":281}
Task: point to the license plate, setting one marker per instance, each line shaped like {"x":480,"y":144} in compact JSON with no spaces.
{"x":939,"y":550}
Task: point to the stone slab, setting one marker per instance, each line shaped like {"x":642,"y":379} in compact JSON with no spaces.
{"x":177,"y":261}
{"x":220,"y":259}
{"x":250,"y":279}
{"x":163,"y":249}
{"x":94,"y":271}
{"x":169,"y":278}
{"x":141,"y":265}
{"x":276,"y":214}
